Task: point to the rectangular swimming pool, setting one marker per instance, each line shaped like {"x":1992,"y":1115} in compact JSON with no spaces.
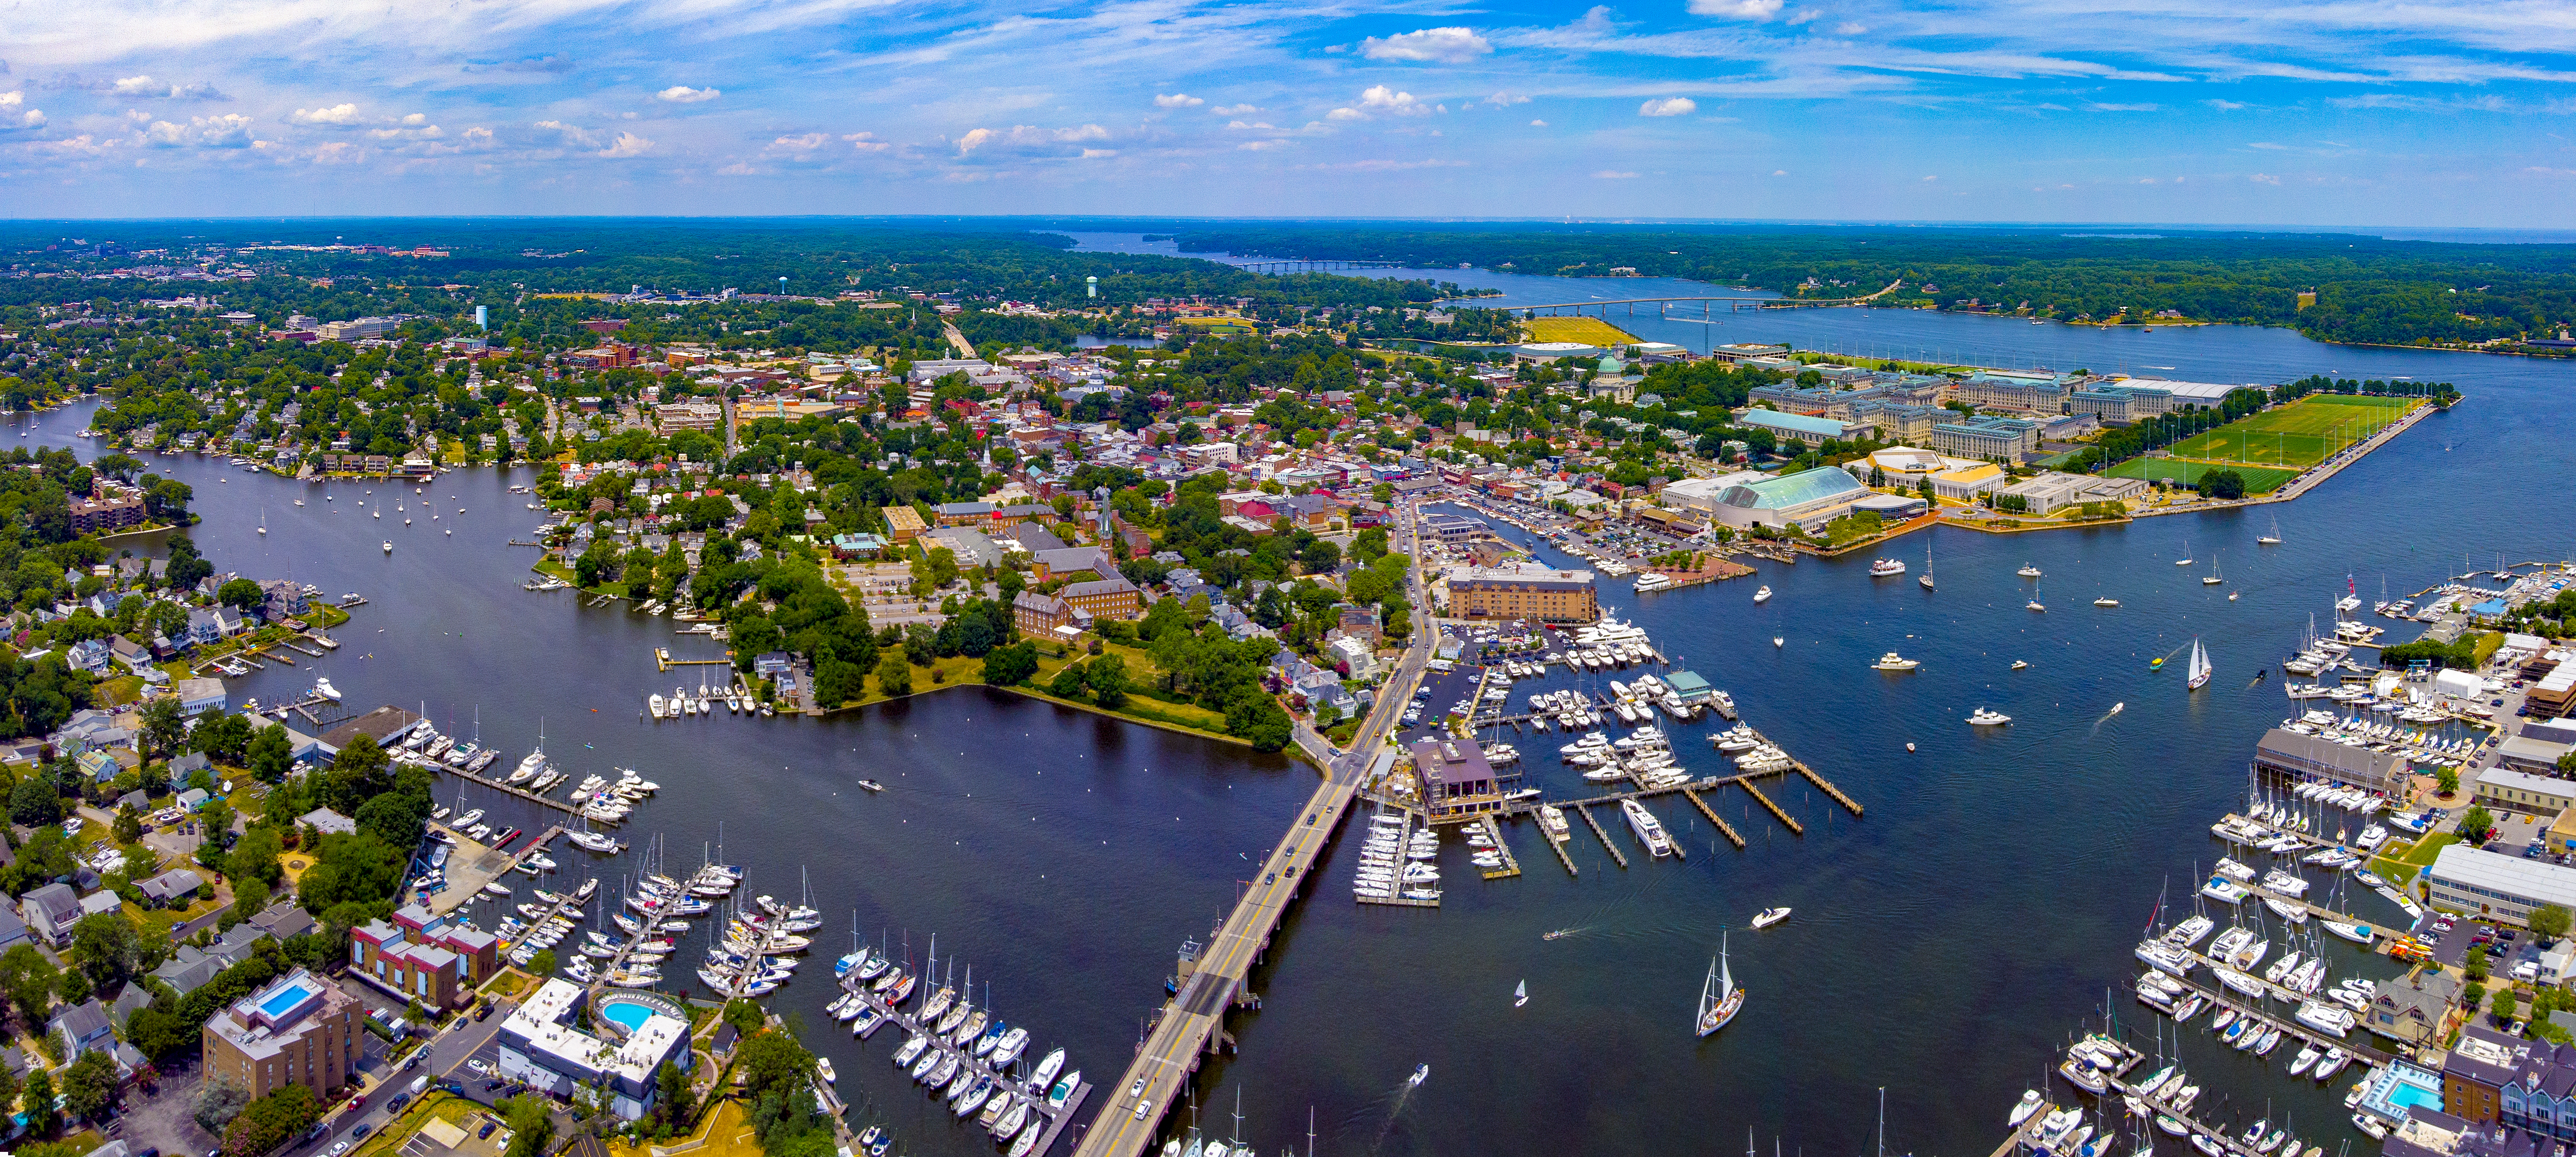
{"x":284,"y":1000}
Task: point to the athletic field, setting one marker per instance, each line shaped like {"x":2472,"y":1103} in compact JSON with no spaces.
{"x":2258,"y":479}
{"x":1591,"y":331}
{"x":2298,"y":435}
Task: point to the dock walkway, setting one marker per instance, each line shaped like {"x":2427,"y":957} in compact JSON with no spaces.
{"x":1057,"y":1118}
{"x":1511,"y":865}
{"x":1595,"y":825}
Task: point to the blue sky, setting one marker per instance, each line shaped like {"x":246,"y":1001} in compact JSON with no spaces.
{"x":2375,"y":112}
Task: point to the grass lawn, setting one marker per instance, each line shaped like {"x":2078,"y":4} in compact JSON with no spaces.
{"x":2298,"y":435}
{"x":1591,"y":331}
{"x":2396,"y":863}
{"x":2258,"y":479}
{"x":509,"y":982}
{"x":723,"y":1132}
{"x":960,"y":670}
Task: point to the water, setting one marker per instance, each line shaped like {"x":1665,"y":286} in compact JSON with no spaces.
{"x":1943,"y":947}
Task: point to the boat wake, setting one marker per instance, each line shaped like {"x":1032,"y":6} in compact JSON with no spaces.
{"x":2116,"y":708}
{"x":1560,"y":933}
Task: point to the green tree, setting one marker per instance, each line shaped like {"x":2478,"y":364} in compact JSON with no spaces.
{"x":2446,"y":781}
{"x":110,"y":948}
{"x":271,"y":754}
{"x":129,"y":824}
{"x":677,"y":1101}
{"x":250,"y":895}
{"x":223,"y":736}
{"x":89,"y":1085}
{"x":271,"y":1121}
{"x":2475,"y":963}
{"x":1010,"y":666}
{"x":1107,"y":678}
{"x":164,"y":728}
{"x":2549,"y":922}
{"x":894,"y":673}
{"x":242,"y":594}
{"x":37,"y":1103}
{"x":2476,"y":824}
{"x":28,"y":979}
{"x":1068,"y":682}
{"x":532,"y":1125}
{"x":543,"y":963}
{"x":34,"y":804}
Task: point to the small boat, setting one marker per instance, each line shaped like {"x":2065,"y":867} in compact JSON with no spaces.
{"x":1520,"y":995}
{"x":1984,"y":717}
{"x":1420,"y":1075}
{"x":389,"y":546}
{"x":1892,"y":661}
{"x":2019,"y":664}
{"x":1762,"y":596}
{"x":871,"y":785}
{"x":1777,"y":641}
{"x":2028,"y":570}
{"x":2106,"y":601}
{"x":1770,"y":916}
{"x":823,"y":1066}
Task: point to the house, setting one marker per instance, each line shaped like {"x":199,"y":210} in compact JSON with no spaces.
{"x":423,"y":957}
{"x":51,"y":911}
{"x":187,"y":970}
{"x":194,"y":798}
{"x":81,"y":1027}
{"x":198,"y":696}
{"x":328,"y":822}
{"x":1039,"y":615}
{"x":178,"y":885}
{"x":189,"y":764}
{"x":13,"y":930}
{"x":1352,"y":654}
{"x":2412,"y":1011}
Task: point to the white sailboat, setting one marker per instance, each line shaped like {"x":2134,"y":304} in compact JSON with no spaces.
{"x":1520,"y":995}
{"x":2200,"y":670}
{"x":2274,"y":538}
{"x":1719,"y":999}
{"x":1926,"y":578}
{"x":2212,"y":578}
{"x":2185,"y":560}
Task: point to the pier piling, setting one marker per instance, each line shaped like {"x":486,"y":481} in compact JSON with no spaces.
{"x":1711,"y":813}
{"x":1595,"y":824}
{"x":1782,"y":816}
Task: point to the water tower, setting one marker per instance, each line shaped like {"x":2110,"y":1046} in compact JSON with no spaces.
{"x":1091,"y":287}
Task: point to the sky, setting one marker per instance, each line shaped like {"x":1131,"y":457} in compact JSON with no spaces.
{"x":2323,"y":112}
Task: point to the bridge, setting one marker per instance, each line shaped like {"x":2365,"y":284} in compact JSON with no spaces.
{"x":1310,"y":265}
{"x":1191,"y":1024}
{"x":1707,"y":304}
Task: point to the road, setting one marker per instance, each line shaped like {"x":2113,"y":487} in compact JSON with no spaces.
{"x":1127,"y":1123}
{"x":443,"y":1059}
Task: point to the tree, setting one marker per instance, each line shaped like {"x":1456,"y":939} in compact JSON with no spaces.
{"x":2221,"y":484}
{"x":28,"y":980}
{"x":271,"y":1121}
{"x":2549,"y":922}
{"x":129,"y":824}
{"x":1010,"y":666}
{"x":250,"y":895}
{"x":241,"y":594}
{"x":2501,"y":1004}
{"x":271,"y":754}
{"x":109,"y":948}
{"x":34,"y":804}
{"x":894,"y":673}
{"x":532,"y":1125}
{"x":1067,"y":683}
{"x":2476,"y":825}
{"x":543,"y":963}
{"x":164,"y":728}
{"x":218,"y":1101}
{"x":2475,"y":963}
{"x":1107,"y":678}
{"x":678,"y":1106}
{"x":223,"y":736}
{"x":89,"y":1085}
{"x":37,"y":1102}
{"x":2446,"y":781}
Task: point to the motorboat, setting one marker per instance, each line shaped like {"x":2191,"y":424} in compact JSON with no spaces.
{"x":1984,"y":717}
{"x":2106,"y":601}
{"x":1770,"y":916}
{"x":1762,"y":596}
{"x":1886,"y":568}
{"x":2028,"y":570}
{"x":1650,"y":831}
{"x":1892,"y":661}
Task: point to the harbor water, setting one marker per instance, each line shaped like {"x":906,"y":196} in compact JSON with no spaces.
{"x":1943,"y":948}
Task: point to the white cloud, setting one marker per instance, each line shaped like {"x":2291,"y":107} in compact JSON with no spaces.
{"x":866,"y":142}
{"x":1928,"y":180}
{"x":2264,"y":179}
{"x":1177,"y":100}
{"x":10,"y":117}
{"x":1381,"y":100}
{"x":1235,"y":110}
{"x":570,"y":134}
{"x":2129,"y":107}
{"x":1745,"y":9}
{"x":683,"y":94}
{"x":1263,"y":146}
{"x":1452,"y":45}
{"x":1779,"y":172}
{"x":339,"y":114}
{"x":137,"y":86}
{"x":1538,"y":124}
{"x":1613,"y":175}
{"x":627,"y":145}
{"x":1668,"y":107}
{"x":1345,"y":114}
{"x":1850,"y":28}
{"x":2265,"y":145}
{"x":228,"y":131}
{"x":802,"y":144}
{"x":2224,"y":105}
{"x":1506,"y":99}
{"x":1030,"y":139}
{"x":478,"y":135}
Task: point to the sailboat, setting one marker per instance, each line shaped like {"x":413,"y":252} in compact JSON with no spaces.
{"x":263,"y":521}
{"x":1520,"y":995}
{"x":2274,"y":538}
{"x":1926,"y":577}
{"x":2185,"y":560}
{"x":2200,"y":670}
{"x":2034,"y":603}
{"x":1719,"y":999}
{"x":2212,"y":578}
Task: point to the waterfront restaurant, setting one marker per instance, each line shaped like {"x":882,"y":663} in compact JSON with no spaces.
{"x":1457,"y":784}
{"x":2301,"y":758}
{"x":2498,"y":886}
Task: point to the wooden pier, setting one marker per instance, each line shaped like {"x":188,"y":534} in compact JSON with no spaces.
{"x":1586,"y":813}
{"x":1396,"y":897}
{"x":1712,"y":815}
{"x":1511,"y":864}
{"x":1827,"y":786}
{"x":663,"y":661}
{"x":494,"y":784}
{"x":2220,"y":994}
{"x":1558,"y":846}
{"x":1765,"y":801}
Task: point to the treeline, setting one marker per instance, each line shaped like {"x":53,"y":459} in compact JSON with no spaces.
{"x":2120,"y":444}
{"x":2367,"y":289}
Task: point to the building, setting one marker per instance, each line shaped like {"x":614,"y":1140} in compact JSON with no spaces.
{"x":2537,"y":756}
{"x":1803,"y":428}
{"x":178,"y":884}
{"x":1987,"y":436}
{"x":2120,"y":404}
{"x":1039,"y":615}
{"x":539,"y":1045}
{"x":2035,"y":393}
{"x":2517,"y":791}
{"x":2300,"y":758}
{"x":299,"y":1030}
{"x":82,"y":1027}
{"x":2050,"y":491}
{"x":903,"y":523}
{"x":356,"y":329}
{"x":198,"y":696}
{"x":384,"y":725}
{"x":328,"y":822}
{"x":1526,"y":592}
{"x":1456,"y":783}
{"x":2413,"y":1012}
{"x":51,"y":910}
{"x":2498,"y":886}
{"x":424,"y":957}
{"x":1806,"y":500}
{"x":112,"y":512}
{"x":1112,"y":597}
{"x":1967,"y":482}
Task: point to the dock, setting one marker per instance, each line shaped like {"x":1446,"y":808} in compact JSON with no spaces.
{"x":1765,"y":801}
{"x":1511,"y":864}
{"x":1558,"y":846}
{"x":496,"y":785}
{"x":1712,"y":815}
{"x":663,"y":661}
{"x":2220,"y":994}
{"x":1398,"y":899}
{"x":1056,"y":1118}
{"x":1586,"y":813}
{"x":1827,"y":786}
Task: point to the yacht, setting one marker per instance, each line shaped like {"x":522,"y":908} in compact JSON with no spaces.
{"x":1650,"y":831}
{"x":2200,"y":669}
{"x":1886,"y":568}
{"x":1770,"y":916}
{"x":2028,"y":570}
{"x":323,"y":688}
{"x":389,"y":546}
{"x":2211,"y":579}
{"x":2106,"y":601}
{"x":1762,"y":596}
{"x":2274,"y":538}
{"x":1984,"y":717}
{"x":2019,"y":664}
{"x":1719,"y":999}
{"x":1650,"y":582}
{"x":1892,"y":661}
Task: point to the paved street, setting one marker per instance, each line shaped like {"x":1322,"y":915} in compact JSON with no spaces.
{"x":444,"y":1059}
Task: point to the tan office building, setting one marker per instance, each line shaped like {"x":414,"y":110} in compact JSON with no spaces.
{"x":1536,"y":593}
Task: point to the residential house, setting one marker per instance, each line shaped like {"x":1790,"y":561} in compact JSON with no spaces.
{"x":81,"y":1027}
{"x":176,"y":886}
{"x":2412,"y":1011}
{"x":51,"y":910}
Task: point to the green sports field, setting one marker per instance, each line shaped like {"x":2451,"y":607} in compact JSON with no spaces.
{"x":2258,"y":479}
{"x":2298,"y":435}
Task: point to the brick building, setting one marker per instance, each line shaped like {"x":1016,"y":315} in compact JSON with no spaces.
{"x":298,"y":1030}
{"x":425,"y":958}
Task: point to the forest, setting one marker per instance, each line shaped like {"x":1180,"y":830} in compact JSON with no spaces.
{"x":2367,"y":289}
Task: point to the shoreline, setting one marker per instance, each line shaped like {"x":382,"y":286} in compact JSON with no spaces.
{"x":1033,"y":693}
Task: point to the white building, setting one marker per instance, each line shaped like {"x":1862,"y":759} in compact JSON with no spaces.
{"x":2505,"y":887}
{"x":540,"y":1046}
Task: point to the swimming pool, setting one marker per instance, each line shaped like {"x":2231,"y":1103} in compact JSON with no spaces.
{"x":284,"y":1000}
{"x":627,"y":1014}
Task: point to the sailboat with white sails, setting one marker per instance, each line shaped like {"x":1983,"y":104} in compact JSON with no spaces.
{"x":2200,"y":669}
{"x":1719,"y":999}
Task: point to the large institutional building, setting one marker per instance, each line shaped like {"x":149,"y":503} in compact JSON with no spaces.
{"x":299,"y":1030}
{"x":1548,"y":596}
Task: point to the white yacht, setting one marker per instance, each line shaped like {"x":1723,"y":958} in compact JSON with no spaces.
{"x":2028,"y":570}
{"x":1650,"y":831}
{"x":1886,"y":568}
{"x":1986,"y":717}
{"x":1650,"y":582}
{"x":1892,"y":661}
{"x":323,"y":688}
{"x":2106,"y":601}
{"x":1762,"y":596}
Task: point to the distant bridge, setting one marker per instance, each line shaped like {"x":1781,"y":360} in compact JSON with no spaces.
{"x":1310,"y":265}
{"x":1663,"y":305}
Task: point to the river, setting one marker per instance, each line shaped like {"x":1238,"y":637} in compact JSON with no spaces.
{"x":1943,"y":947}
